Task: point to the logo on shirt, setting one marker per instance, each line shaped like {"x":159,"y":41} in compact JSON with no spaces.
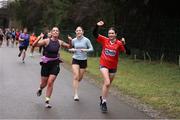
{"x":109,"y":52}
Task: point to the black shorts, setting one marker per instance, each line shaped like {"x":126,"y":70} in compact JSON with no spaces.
{"x":110,"y":70}
{"x":50,"y":69}
{"x":7,"y":38}
{"x":13,"y":37}
{"x":82,"y":63}
{"x":23,"y":48}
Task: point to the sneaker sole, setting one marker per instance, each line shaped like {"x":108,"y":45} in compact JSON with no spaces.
{"x":76,"y":99}
{"x":48,"y":106}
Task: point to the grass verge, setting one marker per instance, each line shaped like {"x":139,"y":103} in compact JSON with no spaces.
{"x":157,"y":85}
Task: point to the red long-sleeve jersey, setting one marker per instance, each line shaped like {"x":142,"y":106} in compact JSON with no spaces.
{"x":110,"y":52}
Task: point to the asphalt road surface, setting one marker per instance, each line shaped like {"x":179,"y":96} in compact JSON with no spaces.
{"x":20,"y":81}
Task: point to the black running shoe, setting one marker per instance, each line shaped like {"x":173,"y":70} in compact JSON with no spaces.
{"x":100,"y":101}
{"x":104,"y":107}
{"x":47,"y":105}
{"x":39,"y":92}
{"x":19,"y":54}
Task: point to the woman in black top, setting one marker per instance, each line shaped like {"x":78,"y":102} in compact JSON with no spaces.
{"x":50,"y":61}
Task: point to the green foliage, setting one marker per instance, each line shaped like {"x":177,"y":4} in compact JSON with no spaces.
{"x":145,"y":24}
{"x":39,"y":13}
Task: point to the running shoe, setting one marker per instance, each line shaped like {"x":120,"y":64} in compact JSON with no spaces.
{"x":47,"y":105}
{"x":39,"y":92}
{"x":76,"y":98}
{"x":103,"y":105}
{"x":100,"y":101}
{"x":31,"y":55}
{"x":19,"y":54}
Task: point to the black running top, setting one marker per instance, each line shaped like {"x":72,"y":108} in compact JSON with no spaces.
{"x":52,"y":49}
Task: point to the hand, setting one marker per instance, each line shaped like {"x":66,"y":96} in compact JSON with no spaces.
{"x":21,"y":39}
{"x":100,"y":23}
{"x":41,"y":35}
{"x":83,"y":50}
{"x":69,"y":37}
{"x":72,"y":50}
{"x":123,"y":41}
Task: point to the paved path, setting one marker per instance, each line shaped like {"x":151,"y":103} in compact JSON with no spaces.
{"x":19,"y":82}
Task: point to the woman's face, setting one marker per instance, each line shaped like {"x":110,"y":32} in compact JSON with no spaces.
{"x":25,"y":30}
{"x":55,"y":32}
{"x":79,"y":32}
{"x":112,"y":35}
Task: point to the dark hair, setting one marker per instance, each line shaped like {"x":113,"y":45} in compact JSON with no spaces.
{"x":80,"y":27}
{"x":114,"y":29}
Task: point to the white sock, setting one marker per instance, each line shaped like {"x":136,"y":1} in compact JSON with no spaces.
{"x":47,"y":98}
{"x":103,"y":100}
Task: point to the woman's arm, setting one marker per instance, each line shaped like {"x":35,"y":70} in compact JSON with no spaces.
{"x":127,"y":50}
{"x":39,"y":42}
{"x":70,"y":41}
{"x":95,"y":31}
{"x":64,"y":44}
{"x":90,"y":47}
{"x":20,"y":39}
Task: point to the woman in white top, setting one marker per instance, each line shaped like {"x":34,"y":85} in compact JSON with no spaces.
{"x":80,"y":46}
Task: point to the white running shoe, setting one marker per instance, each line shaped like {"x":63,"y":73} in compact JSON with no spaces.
{"x":47,"y":105}
{"x":76,"y":98}
{"x":31,"y":55}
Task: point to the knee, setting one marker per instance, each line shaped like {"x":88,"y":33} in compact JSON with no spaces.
{"x":76,"y":77}
{"x":107,"y":83}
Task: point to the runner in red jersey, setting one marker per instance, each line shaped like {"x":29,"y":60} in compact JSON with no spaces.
{"x":110,"y":52}
{"x":111,"y":47}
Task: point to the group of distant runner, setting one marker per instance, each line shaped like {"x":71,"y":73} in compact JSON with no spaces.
{"x":9,"y":35}
{"x":80,"y":46}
